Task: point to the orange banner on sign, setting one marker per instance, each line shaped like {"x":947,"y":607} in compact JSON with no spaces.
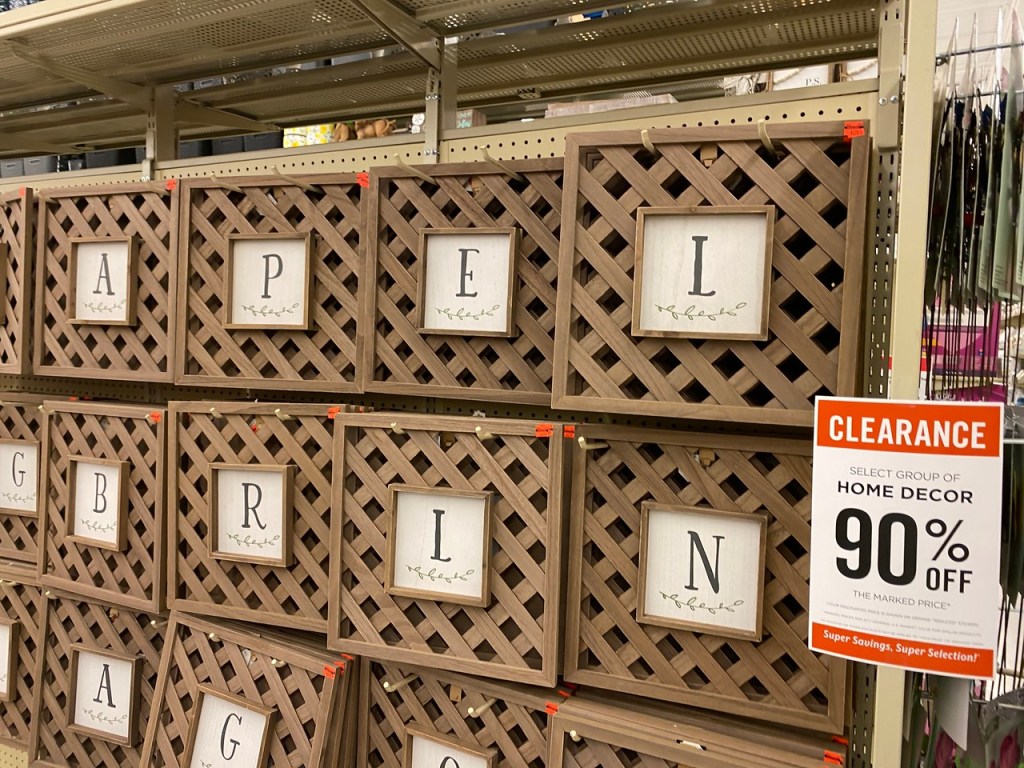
{"x":942,"y":659}
{"x":922,"y":428}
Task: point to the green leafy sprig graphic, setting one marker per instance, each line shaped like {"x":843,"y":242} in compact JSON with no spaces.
{"x":434,"y":575}
{"x":267,"y":311}
{"x":251,"y":542}
{"x":692,"y":313}
{"x":461,"y":313}
{"x":104,"y":307}
{"x":695,"y":606}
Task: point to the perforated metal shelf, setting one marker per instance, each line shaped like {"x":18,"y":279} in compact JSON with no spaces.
{"x":167,"y":41}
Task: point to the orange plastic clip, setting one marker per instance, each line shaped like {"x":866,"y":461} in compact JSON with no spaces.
{"x":333,"y":411}
{"x":841,"y":740}
{"x":551,"y":708}
{"x":22,"y":191}
{"x":852,"y":129}
{"x":328,"y":671}
{"x":363,"y":179}
{"x":544,"y":430}
{"x":569,"y":431}
{"x":155,"y":417}
{"x":833,"y":758}
{"x":172,"y":184}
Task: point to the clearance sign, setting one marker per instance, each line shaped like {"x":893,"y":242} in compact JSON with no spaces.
{"x":905,"y":534}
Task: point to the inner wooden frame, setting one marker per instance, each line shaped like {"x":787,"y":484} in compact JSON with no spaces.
{"x":768,"y":211}
{"x":287,"y":472}
{"x":392,"y":533}
{"x":123,"y":474}
{"x":202,"y":691}
{"x":133,"y":705}
{"x":12,"y":659}
{"x":39,"y":471}
{"x":421,"y":287}
{"x":643,"y":617}
{"x":5,"y":251}
{"x":411,"y":731}
{"x":132,"y":284}
{"x":229,"y":289}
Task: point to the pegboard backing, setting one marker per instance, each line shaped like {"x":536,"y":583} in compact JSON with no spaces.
{"x":12,"y":757}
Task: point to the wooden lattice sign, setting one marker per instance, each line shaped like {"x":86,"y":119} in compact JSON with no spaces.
{"x":509,"y":720}
{"x":21,"y":462}
{"x":214,"y":442}
{"x":17,"y":216}
{"x":620,"y":733}
{"x":303,"y":687}
{"x":105,"y":283}
{"x":399,"y":355}
{"x":71,"y":625}
{"x":816,"y":191}
{"x":269,"y":283}
{"x":406,"y":480}
{"x":609,"y":646}
{"x":104,"y":490}
{"x":20,"y":616}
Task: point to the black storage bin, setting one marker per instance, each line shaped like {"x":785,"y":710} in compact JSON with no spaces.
{"x":40,"y":164}
{"x":103,"y":158}
{"x":186,"y":149}
{"x":228,"y":145}
{"x":13,"y":166}
{"x":255,"y":141}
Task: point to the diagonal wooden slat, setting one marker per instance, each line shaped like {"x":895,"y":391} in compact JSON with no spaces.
{"x":21,"y":601}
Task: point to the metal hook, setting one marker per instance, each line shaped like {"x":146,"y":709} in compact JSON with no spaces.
{"x":766,"y":140}
{"x":295,"y":182}
{"x":395,"y":687}
{"x":397,"y":429}
{"x":574,"y":736}
{"x":400,"y":162}
{"x":645,"y":139}
{"x":282,"y":415}
{"x":213,"y":637}
{"x":216,"y":414}
{"x":477,"y":711}
{"x":44,"y":409}
{"x":588,"y":446}
{"x":490,"y":160}
{"x":276,"y":663}
{"x":226,"y":184}
{"x":483,"y":434}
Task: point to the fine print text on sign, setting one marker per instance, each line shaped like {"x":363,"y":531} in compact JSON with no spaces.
{"x":701,"y":569}
{"x":429,"y":749}
{"x":703,"y":272}
{"x":467,"y":281}
{"x":19,"y":477}
{"x":103,"y":699}
{"x":102,"y":278}
{"x":97,"y":502}
{"x":905,"y":538}
{"x":439,"y":543}
{"x":251,"y":513}
{"x":268,"y":281}
{"x":227,"y":731}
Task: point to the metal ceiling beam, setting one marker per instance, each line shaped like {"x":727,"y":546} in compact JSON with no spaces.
{"x":19,"y":142}
{"x":137,"y":95}
{"x":410,"y":33}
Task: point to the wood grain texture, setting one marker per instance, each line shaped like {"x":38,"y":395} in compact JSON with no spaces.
{"x":516,"y":636}
{"x":777,"y":678}
{"x":70,"y":620}
{"x":20,"y":601}
{"x":145,"y":212}
{"x":320,"y":359}
{"x":817,"y":187}
{"x":17,"y":219}
{"x":132,"y":577}
{"x":21,"y":419}
{"x":395,"y":356}
{"x":236,"y":660}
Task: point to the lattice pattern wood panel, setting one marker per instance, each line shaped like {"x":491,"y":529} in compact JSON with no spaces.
{"x":819,"y":187}
{"x":21,"y":602}
{"x":516,"y":636}
{"x":21,"y":419}
{"x":323,"y":358}
{"x":134,"y":577}
{"x":515,"y":726}
{"x":396,"y":356}
{"x":621,"y":734}
{"x":295,"y":596}
{"x":778,"y":678}
{"x":302,"y":682}
{"x":145,"y":212}
{"x":70,"y":620}
{"x":17,"y":214}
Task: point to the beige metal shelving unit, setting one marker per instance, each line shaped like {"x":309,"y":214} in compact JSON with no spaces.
{"x":119,"y":60}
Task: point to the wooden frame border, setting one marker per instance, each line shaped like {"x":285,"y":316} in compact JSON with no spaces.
{"x":123,"y":475}
{"x":768,"y":211}
{"x":394,"y":490}
{"x":193,"y":729}
{"x":131,"y":286}
{"x":642,"y":617}
{"x":5,"y":251}
{"x":287,"y":472}
{"x":421,"y":287}
{"x":229,"y":265}
{"x":39,"y":479}
{"x":12,"y":659}
{"x":413,"y":731}
{"x":133,"y":705}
